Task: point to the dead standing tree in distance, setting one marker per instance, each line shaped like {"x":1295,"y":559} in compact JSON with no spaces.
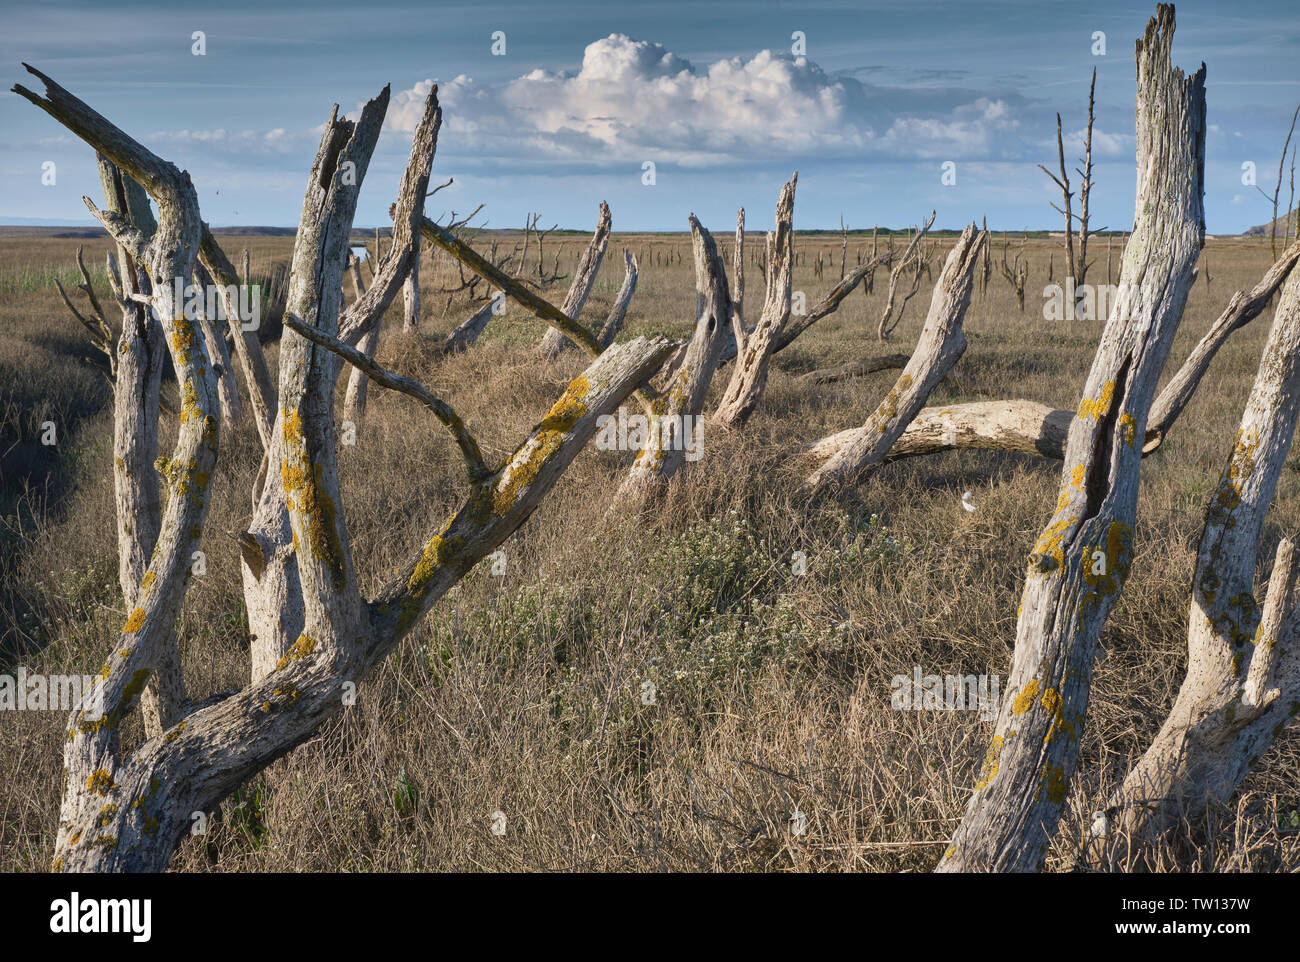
{"x":1083,"y":556}
{"x":1077,"y":268}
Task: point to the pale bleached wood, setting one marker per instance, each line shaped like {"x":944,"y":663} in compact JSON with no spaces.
{"x":614,"y":321}
{"x":297,"y":569}
{"x":584,"y":279}
{"x":683,"y":398}
{"x":940,"y":345}
{"x":248,"y":348}
{"x":1243,"y":307}
{"x":1026,"y":427}
{"x":91,"y":754}
{"x":1242,"y":685}
{"x":1083,"y":556}
{"x":749,"y":374}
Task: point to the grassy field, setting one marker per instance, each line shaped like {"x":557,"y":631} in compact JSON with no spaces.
{"x":522,"y":693}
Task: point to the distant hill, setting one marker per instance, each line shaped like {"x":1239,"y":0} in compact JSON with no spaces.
{"x":1264,"y":230}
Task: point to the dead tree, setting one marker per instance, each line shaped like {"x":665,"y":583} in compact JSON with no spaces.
{"x":673,"y":424}
{"x":755,"y":348}
{"x":738,"y":284}
{"x":911,"y":258}
{"x":985,"y":269}
{"x":411,"y":294}
{"x":1076,"y":268}
{"x":1017,"y":272}
{"x":102,"y":336}
{"x":127,"y":811}
{"x":617,"y":313}
{"x":584,"y":279}
{"x":1083,"y":556}
{"x":354,"y":399}
{"x":1029,"y":427}
{"x":940,"y":345}
{"x":1277,"y":188}
{"x":1243,"y":668}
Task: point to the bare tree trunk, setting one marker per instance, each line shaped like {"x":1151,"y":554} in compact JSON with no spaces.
{"x":1243,"y":670}
{"x":841,"y":372}
{"x":1085,"y":188}
{"x":584,"y":278}
{"x":227,"y":386}
{"x":614,"y":322}
{"x":738,"y":272}
{"x":749,"y":375}
{"x":411,"y":294}
{"x":941,"y":344}
{"x":1082,"y":558}
{"x":354,"y":400}
{"x":675,"y":426}
{"x":1242,"y":308}
{"x":469,"y":330}
{"x":261,"y":394}
{"x":910,"y":256}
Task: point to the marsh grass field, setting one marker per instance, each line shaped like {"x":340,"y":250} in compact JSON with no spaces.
{"x":522,"y":693}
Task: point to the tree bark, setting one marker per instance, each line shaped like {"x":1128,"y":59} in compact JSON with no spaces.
{"x":1243,"y":670}
{"x":1083,"y":556}
{"x":749,"y":374}
{"x":614,"y":322}
{"x":674,"y":422}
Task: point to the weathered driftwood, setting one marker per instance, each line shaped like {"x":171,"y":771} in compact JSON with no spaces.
{"x":1026,"y":427}
{"x":584,"y":279}
{"x":674,"y":420}
{"x":1083,"y":556}
{"x":1243,"y":665}
{"x":940,"y":345}
{"x":749,"y":374}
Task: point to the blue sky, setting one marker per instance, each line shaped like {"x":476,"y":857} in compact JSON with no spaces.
{"x":712,"y":92}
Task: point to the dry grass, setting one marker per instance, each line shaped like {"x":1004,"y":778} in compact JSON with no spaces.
{"x":522,"y":693}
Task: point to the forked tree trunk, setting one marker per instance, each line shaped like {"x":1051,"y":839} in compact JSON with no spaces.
{"x":127,"y":811}
{"x":749,"y":373}
{"x":584,"y":279}
{"x":1243,"y":670}
{"x":136,"y":395}
{"x":1083,"y":556}
{"x":674,"y":426}
{"x":941,"y":344}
